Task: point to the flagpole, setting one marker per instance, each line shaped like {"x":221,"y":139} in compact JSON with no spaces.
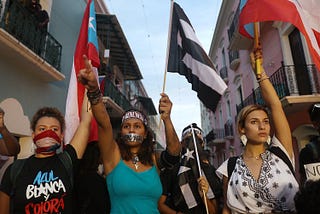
{"x":168,"y":47}
{"x":256,"y":45}
{"x":199,"y":166}
{"x":167,"y":55}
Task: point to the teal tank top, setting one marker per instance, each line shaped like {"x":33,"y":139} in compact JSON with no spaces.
{"x":133,"y":192}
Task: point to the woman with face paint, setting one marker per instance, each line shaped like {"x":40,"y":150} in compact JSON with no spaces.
{"x":43,"y":183}
{"x":129,"y":161}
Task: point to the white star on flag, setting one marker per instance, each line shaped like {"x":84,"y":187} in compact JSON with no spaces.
{"x":90,"y":24}
{"x":188,"y":154}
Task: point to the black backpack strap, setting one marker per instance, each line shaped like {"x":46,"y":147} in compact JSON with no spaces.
{"x":65,"y":159}
{"x":278,"y":152}
{"x":231,"y":165}
{"x":15,"y":170}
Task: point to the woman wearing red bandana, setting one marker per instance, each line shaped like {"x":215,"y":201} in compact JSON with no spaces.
{"x":129,"y":161}
{"x":44,"y":183}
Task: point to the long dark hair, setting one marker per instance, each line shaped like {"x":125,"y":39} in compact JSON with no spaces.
{"x":146,"y":151}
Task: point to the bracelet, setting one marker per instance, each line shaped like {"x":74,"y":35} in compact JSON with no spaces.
{"x":262,"y":79}
{"x":94,"y":96}
{"x":263,"y":76}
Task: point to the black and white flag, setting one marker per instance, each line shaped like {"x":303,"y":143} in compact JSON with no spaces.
{"x":188,"y":175}
{"x":188,"y":58}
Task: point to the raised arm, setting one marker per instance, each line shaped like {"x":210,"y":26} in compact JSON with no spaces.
{"x":278,"y":117}
{"x":172,"y":140}
{"x":109,"y":150}
{"x":80,"y":139}
{"x":9,"y":145}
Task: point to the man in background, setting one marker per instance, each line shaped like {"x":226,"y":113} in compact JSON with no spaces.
{"x":182,"y":183}
{"x":9,"y":146}
{"x":309,"y":157}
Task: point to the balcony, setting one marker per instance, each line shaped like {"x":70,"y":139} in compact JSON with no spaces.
{"x":215,"y":136}
{"x":228,"y":130}
{"x":112,"y":37}
{"x":289,"y":89}
{"x":234,"y":60}
{"x":147,"y":105}
{"x":116,"y":103}
{"x":224,"y":73}
{"x":237,"y":41}
{"x":20,"y":38}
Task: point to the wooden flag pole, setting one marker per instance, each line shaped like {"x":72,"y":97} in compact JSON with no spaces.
{"x":256,"y":45}
{"x":168,"y":47}
{"x":199,"y":166}
{"x":167,"y":56}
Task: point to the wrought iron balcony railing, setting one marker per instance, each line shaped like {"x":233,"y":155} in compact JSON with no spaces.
{"x":19,"y":22}
{"x":215,"y":136}
{"x":228,"y":130}
{"x":224,"y":73}
{"x":285,"y":84}
{"x":234,"y":25}
{"x":113,"y":92}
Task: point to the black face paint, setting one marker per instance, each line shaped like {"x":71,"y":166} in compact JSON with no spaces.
{"x":188,"y":142}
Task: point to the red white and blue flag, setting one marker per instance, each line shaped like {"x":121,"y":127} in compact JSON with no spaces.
{"x":87,"y":44}
{"x":303,"y":14}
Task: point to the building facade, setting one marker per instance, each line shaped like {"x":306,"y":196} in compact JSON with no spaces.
{"x":287,"y":62}
{"x":35,"y":65}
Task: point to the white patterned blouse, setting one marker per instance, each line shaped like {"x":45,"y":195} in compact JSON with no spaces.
{"x":273,"y":192}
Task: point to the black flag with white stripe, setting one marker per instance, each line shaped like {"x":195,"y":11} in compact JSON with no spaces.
{"x":188,"y":175}
{"x":188,"y":58}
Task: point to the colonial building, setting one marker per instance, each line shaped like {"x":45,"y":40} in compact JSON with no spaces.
{"x":35,"y":66}
{"x":287,"y":62}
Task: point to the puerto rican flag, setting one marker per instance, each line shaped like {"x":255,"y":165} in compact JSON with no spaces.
{"x":303,"y":14}
{"x":87,"y":44}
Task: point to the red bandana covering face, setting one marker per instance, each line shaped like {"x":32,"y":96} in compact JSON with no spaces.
{"x":47,"y":142}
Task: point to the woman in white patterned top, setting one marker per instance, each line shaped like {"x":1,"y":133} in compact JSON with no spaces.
{"x":261,"y":180}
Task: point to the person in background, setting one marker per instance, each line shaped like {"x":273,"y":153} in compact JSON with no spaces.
{"x":309,"y":157}
{"x":91,"y":194}
{"x":42,"y":20}
{"x":43,"y":183}
{"x":129,"y":161}
{"x":32,"y":5}
{"x":261,"y":181}
{"x":9,"y":145}
{"x":307,"y":200}
{"x":174,"y":198}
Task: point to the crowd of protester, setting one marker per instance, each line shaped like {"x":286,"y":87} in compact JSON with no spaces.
{"x":122,"y":173}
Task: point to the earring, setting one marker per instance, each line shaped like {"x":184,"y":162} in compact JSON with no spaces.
{"x":268,"y":140}
{"x":244,"y":139}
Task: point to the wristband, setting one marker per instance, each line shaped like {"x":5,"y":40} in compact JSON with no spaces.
{"x":1,"y":136}
{"x":94,"y":96}
{"x":264,"y":78}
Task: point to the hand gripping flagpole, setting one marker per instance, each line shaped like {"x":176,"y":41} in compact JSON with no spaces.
{"x":256,"y":45}
{"x":199,"y":167}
